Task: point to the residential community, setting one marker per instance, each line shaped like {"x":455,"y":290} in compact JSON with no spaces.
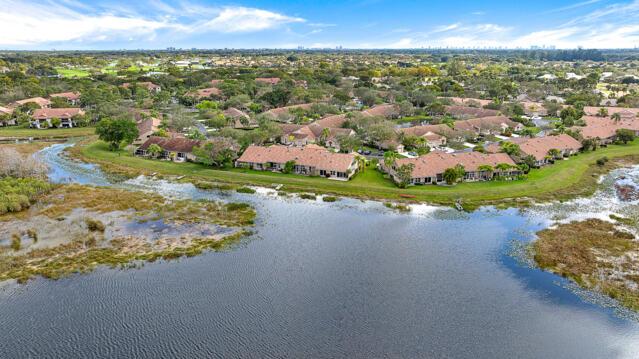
{"x":413,"y":119}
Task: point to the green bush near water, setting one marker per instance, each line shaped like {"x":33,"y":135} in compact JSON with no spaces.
{"x":16,"y":194}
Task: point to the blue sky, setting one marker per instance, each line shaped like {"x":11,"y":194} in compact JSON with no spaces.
{"x":157,"y":24}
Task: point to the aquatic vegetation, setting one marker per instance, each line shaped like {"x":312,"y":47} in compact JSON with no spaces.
{"x":329,"y":199}
{"x":397,"y":206}
{"x":595,"y":254}
{"x":88,"y":241}
{"x":308,"y":196}
{"x":245,"y":190}
{"x":17,"y":194}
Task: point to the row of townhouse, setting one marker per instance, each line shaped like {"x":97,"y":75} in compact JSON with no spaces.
{"x":430,"y":168}
{"x":43,"y":116}
{"x":543,"y":149}
{"x":310,"y":160}
{"x":604,"y":129}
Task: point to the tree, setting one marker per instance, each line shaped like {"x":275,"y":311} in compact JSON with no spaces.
{"x":450,"y":176}
{"x":603,"y":112}
{"x":554,"y":153}
{"x":389,"y":158}
{"x":512,"y":149}
{"x":326,"y":133}
{"x":154,"y":150}
{"x":589,"y":144}
{"x":55,"y":122}
{"x":218,"y":151}
{"x":115,"y":132}
{"x":486,"y":168}
{"x":624,"y":135}
{"x":404,"y":174}
{"x":289,"y":166}
{"x":616,"y":117}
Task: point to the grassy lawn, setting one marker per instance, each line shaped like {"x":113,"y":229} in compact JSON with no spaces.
{"x":17,"y":132}
{"x":72,"y":72}
{"x":563,"y":180}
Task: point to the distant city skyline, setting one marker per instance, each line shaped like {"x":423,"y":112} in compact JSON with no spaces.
{"x":360,"y":24}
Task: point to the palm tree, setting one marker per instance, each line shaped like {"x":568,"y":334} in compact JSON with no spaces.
{"x":603,"y":112}
{"x":389,"y":158}
{"x":554,"y":153}
{"x":486,"y":168}
{"x":616,"y":117}
{"x":326,"y":133}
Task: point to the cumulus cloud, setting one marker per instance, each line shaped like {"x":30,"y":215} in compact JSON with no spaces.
{"x":242,"y":19}
{"x":34,"y":22}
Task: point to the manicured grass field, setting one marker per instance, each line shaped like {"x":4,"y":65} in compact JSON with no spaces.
{"x":72,"y":73}
{"x":17,"y":132}
{"x":565,"y":179}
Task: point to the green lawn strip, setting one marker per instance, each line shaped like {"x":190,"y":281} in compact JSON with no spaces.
{"x":72,"y":72}
{"x":16,"y":132}
{"x":563,"y":180}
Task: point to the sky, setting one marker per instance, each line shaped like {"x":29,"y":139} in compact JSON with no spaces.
{"x":357,"y":24}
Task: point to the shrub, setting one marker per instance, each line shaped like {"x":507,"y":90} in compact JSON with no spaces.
{"x":15,"y":242}
{"x":308,"y":196}
{"x":245,"y":190}
{"x":94,"y":225}
{"x":236,"y":206}
{"x":32,"y":234}
{"x":329,"y":199}
{"x":602,"y":161}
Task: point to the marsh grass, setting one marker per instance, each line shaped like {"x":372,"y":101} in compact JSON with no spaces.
{"x":595,"y":254}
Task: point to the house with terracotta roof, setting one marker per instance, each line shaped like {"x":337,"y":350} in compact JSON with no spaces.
{"x":466,"y":112}
{"x":146,"y":128}
{"x":492,"y":125}
{"x":72,"y":97}
{"x":534,"y":109}
{"x":281,"y":114}
{"x":6,"y":111}
{"x":604,"y":129}
{"x":309,"y":160}
{"x":177,"y":149}
{"x":430,"y":168}
{"x":150,"y":86}
{"x":268,"y":80}
{"x":387,"y":110}
{"x":626,"y":113}
{"x":42,"y":117}
{"x":435,"y":135}
{"x":240,"y":119}
{"x":540,"y":147}
{"x":333,"y":121}
{"x":468,"y":102}
{"x":40,"y":101}
{"x":205,"y":93}
{"x":302,"y":135}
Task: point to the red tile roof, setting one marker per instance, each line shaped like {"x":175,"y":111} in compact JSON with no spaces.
{"x":310,"y":156}
{"x":45,"y":113}
{"x":71,"y":96}
{"x":175,"y":144}
{"x":436,"y":162}
{"x":474,"y":112}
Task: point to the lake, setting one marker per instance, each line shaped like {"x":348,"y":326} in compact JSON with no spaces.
{"x":344,"y":279}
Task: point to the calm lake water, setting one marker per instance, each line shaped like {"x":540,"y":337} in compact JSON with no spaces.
{"x":349,"y":279}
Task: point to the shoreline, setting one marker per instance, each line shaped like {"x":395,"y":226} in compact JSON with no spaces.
{"x":575,"y":177}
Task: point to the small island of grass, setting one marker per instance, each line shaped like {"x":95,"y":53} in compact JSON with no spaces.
{"x":596,"y":255}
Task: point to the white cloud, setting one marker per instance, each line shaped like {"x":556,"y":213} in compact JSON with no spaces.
{"x":243,"y":19}
{"x":34,"y":22}
{"x":24,"y":23}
